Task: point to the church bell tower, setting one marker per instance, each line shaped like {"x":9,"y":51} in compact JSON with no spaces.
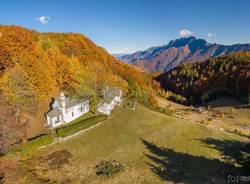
{"x":62,"y":104}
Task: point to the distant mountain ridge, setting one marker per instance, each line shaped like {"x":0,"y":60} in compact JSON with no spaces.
{"x":164,"y":58}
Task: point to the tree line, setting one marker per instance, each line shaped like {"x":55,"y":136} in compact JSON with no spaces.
{"x":200,"y":82}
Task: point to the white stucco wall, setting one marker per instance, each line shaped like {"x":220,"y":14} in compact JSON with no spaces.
{"x":78,"y":110}
{"x":104,"y":108}
{"x":118,"y":100}
{"x":56,"y":121}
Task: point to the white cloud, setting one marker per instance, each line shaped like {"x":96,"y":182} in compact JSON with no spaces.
{"x":123,"y":51}
{"x":185,"y":33}
{"x":43,"y":20}
{"x":209,"y":35}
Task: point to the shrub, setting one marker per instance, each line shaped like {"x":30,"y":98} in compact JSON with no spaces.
{"x":108,"y":168}
{"x":209,"y":119}
{"x":169,"y":109}
{"x":160,"y":109}
{"x":204,"y":97}
{"x":222,"y":115}
{"x":178,"y":99}
{"x":238,"y":132}
{"x":204,"y":122}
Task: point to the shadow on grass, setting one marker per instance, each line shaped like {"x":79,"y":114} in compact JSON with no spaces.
{"x":179,"y":167}
{"x":233,"y":151}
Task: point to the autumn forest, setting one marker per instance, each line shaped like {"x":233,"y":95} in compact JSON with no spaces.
{"x":36,"y":66}
{"x":171,"y":109}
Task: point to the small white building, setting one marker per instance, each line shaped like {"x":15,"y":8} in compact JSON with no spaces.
{"x":66,"y":110}
{"x":111,"y":96}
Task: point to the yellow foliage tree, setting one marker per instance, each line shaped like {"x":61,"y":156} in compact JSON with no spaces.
{"x":18,"y":90}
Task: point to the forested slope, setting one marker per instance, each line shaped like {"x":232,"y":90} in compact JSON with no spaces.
{"x":35,"y":66}
{"x":203,"y":81}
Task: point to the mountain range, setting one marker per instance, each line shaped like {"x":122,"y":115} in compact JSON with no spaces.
{"x":187,"y":49}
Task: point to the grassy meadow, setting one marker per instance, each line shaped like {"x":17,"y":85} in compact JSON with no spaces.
{"x":152,"y":147}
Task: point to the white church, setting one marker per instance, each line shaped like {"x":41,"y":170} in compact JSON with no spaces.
{"x":111,"y":96}
{"x":66,"y":110}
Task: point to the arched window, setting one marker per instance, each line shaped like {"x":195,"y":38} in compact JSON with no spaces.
{"x":72,"y":113}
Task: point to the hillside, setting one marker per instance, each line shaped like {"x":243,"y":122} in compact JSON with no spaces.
{"x":35,"y":66}
{"x":57,"y":53}
{"x":203,"y":81}
{"x":146,"y":143}
{"x":164,"y":58}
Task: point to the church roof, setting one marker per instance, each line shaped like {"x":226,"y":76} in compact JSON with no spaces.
{"x":110,"y":92}
{"x":54,"y":112}
{"x":70,"y":102}
{"x":108,"y":99}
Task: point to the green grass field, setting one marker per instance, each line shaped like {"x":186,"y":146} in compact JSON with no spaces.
{"x":79,"y":125}
{"x":81,"y":118}
{"x":152,"y":147}
{"x":32,"y":145}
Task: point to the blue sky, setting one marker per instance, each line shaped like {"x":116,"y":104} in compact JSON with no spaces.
{"x":131,"y":25}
